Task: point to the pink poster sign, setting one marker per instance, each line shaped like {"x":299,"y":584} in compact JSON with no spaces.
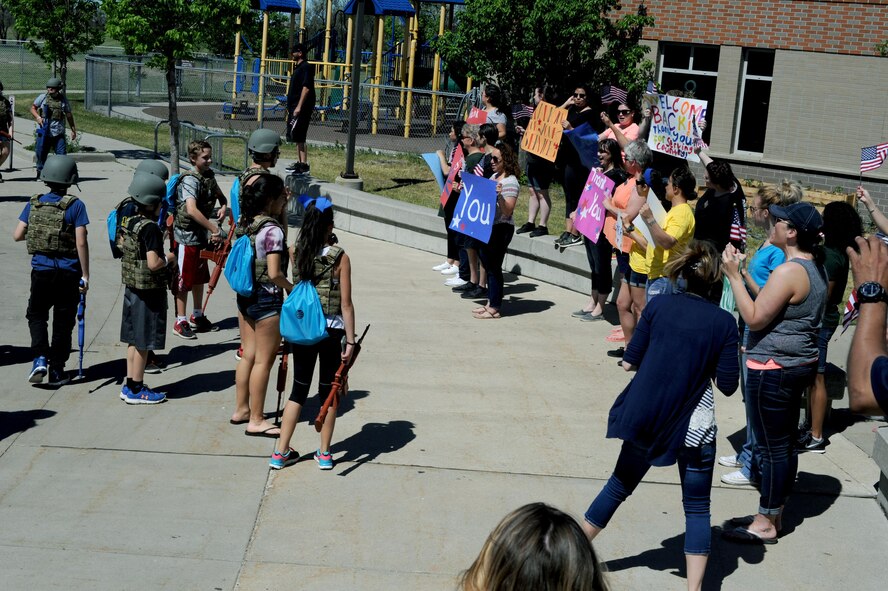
{"x":590,"y":213}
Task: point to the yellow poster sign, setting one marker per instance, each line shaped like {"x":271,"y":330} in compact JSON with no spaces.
{"x":543,"y":134}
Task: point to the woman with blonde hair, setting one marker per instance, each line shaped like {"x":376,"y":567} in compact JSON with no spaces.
{"x":666,"y":414}
{"x":535,"y":547}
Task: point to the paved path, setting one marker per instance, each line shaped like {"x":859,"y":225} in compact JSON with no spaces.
{"x":452,"y":423}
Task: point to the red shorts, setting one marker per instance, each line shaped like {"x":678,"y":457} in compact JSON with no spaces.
{"x":193,"y":270}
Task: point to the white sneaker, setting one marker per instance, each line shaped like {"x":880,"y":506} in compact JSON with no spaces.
{"x":455,"y":282}
{"x":442,"y":266}
{"x":729,"y":461}
{"x":450,"y":270}
{"x":736,"y":479}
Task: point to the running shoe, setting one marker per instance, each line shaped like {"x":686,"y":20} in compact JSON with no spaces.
{"x":183,"y":330}
{"x":324,"y":460}
{"x":279,"y":460}
{"x":144,"y":396}
{"x":200,"y":323}
{"x":812,"y":445}
{"x":441,"y":267}
{"x":38,"y":370}
{"x":526,"y":227}
{"x":729,"y":461}
{"x":539,"y":231}
{"x":58,"y":376}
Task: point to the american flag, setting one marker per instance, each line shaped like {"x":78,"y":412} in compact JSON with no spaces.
{"x":851,"y":312}
{"x":522,"y":111}
{"x":872,"y":157}
{"x":612,"y":94}
{"x":738,"y":231}
{"x":479,"y":168}
{"x":652,"y":88}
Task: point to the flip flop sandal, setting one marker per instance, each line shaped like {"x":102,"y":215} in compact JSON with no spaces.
{"x":487,"y":315}
{"x":746,"y":536}
{"x":747,"y":520}
{"x":264,"y":433}
{"x":615,"y":337}
{"x":480,"y":310}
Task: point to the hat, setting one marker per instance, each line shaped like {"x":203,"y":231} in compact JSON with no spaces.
{"x":802,"y":215}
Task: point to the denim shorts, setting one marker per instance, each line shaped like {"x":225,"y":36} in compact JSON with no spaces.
{"x":635,"y":279}
{"x":823,"y":337}
{"x":261,"y":305}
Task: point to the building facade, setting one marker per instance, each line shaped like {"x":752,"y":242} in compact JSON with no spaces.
{"x":795,"y":87}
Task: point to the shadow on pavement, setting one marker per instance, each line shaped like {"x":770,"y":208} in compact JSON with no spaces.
{"x":136,"y":154}
{"x":199,"y":384}
{"x":13,"y":355}
{"x":19,"y":421}
{"x":373,"y":440}
{"x":519,"y":306}
{"x":313,"y":404}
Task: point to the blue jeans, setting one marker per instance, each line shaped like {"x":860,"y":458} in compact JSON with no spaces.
{"x":773,"y":396}
{"x":492,"y":256}
{"x":746,"y":458}
{"x":695,"y":470}
{"x":47,"y":144}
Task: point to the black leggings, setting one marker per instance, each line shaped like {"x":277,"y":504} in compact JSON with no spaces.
{"x":303,"y":357}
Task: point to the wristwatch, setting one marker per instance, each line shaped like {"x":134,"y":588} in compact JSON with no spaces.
{"x":870,"y":292}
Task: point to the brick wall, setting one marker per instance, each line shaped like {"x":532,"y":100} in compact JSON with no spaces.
{"x":830,"y":26}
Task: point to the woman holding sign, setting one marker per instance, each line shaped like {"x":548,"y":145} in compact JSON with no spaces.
{"x":506,"y":172}
{"x":574,"y":174}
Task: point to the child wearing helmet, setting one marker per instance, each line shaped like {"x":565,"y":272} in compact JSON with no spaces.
{"x":54,"y":226}
{"x":50,"y":110}
{"x":145,"y":273}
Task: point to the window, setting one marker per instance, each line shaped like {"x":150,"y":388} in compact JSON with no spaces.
{"x":691,"y":70}
{"x":755,"y":96}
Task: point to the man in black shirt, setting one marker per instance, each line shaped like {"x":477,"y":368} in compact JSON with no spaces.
{"x":300,"y":106}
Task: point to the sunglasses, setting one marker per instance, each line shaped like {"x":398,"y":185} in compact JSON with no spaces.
{"x":623,"y":112}
{"x":495,"y":160}
{"x":788,"y":223}
{"x":579,"y":95}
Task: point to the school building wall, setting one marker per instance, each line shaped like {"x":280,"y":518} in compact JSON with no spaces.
{"x":828,"y":90}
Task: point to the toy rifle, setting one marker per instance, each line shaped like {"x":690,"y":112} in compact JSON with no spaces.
{"x":81,"y":329}
{"x":340,"y":383}
{"x":281,"y":381}
{"x":9,"y":137}
{"x":218,"y":255}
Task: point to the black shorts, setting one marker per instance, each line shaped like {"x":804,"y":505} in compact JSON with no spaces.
{"x":143,"y":324}
{"x":298,"y":132}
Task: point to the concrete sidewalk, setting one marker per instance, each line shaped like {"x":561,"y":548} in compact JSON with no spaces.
{"x":451,"y":423}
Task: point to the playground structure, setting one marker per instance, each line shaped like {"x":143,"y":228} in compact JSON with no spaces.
{"x":390,"y":73}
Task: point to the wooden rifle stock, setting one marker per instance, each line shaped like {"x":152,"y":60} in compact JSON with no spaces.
{"x":339,"y":382}
{"x":218,"y":255}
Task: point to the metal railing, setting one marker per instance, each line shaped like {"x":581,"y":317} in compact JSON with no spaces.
{"x":125,"y":87}
{"x":223,"y":161}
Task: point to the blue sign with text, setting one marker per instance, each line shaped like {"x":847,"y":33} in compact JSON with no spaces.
{"x":476,"y":207}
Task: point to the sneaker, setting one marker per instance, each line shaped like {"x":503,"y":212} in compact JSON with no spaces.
{"x":144,"y":396}
{"x":476,"y":293}
{"x":239,"y":354}
{"x":729,"y":461}
{"x":593,"y":317}
{"x":183,"y":330}
{"x":527,"y":227}
{"x":279,"y":461}
{"x":200,"y":323}
{"x":736,"y":479}
{"x":580,"y":314}
{"x":442,"y":266}
{"x":618,"y":352}
{"x":812,"y":445}
{"x":455,"y":281}
{"x":562,"y":239}
{"x":304,"y":168}
{"x":450,"y":270}
{"x":292,"y":167}
{"x":58,"y":376}
{"x":467,"y":286}
{"x":539,"y":231}
{"x":154,"y":365}
{"x":572,"y":240}
{"x":324,"y":460}
{"x":38,"y":370}
{"x":125,"y":391}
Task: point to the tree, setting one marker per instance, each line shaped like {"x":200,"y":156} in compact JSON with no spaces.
{"x":5,"y":21}
{"x":171,"y":30}
{"x":526,"y":43}
{"x":66,"y":27}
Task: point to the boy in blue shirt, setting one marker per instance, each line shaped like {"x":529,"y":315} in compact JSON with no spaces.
{"x":54,"y":225}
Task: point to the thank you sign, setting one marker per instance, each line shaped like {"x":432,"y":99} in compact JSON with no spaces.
{"x":476,"y":207}
{"x":589,"y":219}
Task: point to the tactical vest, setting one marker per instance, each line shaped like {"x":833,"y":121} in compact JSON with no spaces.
{"x":242,"y":179}
{"x":204,"y":199}
{"x":260,"y":267}
{"x":5,"y":112}
{"x":134,"y":268}
{"x":53,"y":108}
{"x":329,"y":292}
{"x":48,"y":233}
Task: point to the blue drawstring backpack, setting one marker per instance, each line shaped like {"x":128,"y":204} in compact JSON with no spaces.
{"x":234,"y":199}
{"x":302,"y":316}
{"x":239,"y":266}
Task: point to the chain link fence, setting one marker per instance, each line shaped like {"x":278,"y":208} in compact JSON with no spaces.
{"x":20,"y":69}
{"x":210,"y":95}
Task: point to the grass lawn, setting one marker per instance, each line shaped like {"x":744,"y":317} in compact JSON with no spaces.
{"x":404,"y":177}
